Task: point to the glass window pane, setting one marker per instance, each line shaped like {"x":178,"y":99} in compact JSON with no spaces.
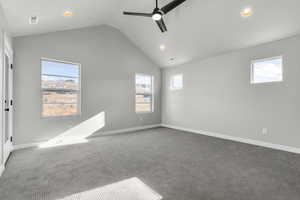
{"x":52,"y":110}
{"x":59,"y":97}
{"x":143,"y":79}
{"x":143,"y":84}
{"x":60,"y":82}
{"x":144,"y":93}
{"x":143,"y":107}
{"x":143,"y":98}
{"x":269,"y":70}
{"x":60,"y":68}
{"x":177,"y":82}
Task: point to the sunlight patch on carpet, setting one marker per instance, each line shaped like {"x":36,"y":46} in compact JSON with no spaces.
{"x":78,"y":133}
{"x":130,"y":189}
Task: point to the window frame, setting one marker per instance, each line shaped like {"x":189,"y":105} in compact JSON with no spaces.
{"x":264,"y":60}
{"x":79,"y":102}
{"x":152,"y":92}
{"x":172,"y":82}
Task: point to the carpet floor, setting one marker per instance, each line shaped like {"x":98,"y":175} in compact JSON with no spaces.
{"x":175,"y":164}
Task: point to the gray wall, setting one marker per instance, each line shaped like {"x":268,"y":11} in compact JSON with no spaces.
{"x":218,"y":96}
{"x":109,"y":63}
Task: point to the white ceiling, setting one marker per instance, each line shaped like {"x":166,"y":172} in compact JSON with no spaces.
{"x":197,"y":29}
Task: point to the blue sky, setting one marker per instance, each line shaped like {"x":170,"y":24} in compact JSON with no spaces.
{"x":268,"y":71}
{"x":276,"y":61}
{"x":58,"y":68}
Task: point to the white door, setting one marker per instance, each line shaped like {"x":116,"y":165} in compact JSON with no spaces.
{"x":8,"y":105}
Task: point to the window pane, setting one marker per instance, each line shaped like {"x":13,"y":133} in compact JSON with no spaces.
{"x":60,"y":82}
{"x":59,"y":97}
{"x":143,"y":84}
{"x":60,"y":68}
{"x":143,"y":79}
{"x":51,"y":110}
{"x":143,"y":107}
{"x":143,"y":98}
{"x":144,"y":94}
{"x":177,"y":82}
{"x":267,"y":71}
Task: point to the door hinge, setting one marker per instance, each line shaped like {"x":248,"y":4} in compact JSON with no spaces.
{"x":11,"y":66}
{"x":11,"y":102}
{"x":11,"y":138}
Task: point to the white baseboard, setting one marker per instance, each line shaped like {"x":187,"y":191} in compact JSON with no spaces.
{"x":138,"y":128}
{"x":237,"y":139}
{"x":25,"y":146}
{"x":1,"y":169}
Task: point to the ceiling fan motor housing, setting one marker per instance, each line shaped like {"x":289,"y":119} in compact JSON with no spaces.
{"x":157,"y":14}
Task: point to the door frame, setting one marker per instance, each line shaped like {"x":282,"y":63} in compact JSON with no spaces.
{"x":7,"y":145}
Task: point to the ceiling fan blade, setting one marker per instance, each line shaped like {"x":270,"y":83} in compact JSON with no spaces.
{"x":162,"y":26}
{"x":163,"y":23}
{"x":167,"y":8}
{"x":138,"y":14}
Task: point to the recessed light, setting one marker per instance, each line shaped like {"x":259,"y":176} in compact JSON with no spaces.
{"x":33,"y":20}
{"x":68,"y":13}
{"x":162,"y":47}
{"x":246,"y":12}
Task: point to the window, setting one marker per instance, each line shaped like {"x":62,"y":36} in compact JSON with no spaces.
{"x":60,"y":88}
{"x":267,"y":70}
{"x":143,"y":93}
{"x":176,"y":82}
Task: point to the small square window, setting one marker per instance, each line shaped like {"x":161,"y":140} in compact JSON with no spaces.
{"x":267,"y":70}
{"x":176,"y":82}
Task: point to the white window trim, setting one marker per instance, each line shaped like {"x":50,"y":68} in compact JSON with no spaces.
{"x":172,"y":81}
{"x":152,"y":92}
{"x":263,"y":60}
{"x":79,"y":102}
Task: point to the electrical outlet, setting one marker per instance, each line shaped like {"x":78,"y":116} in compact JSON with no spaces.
{"x":264,"y":131}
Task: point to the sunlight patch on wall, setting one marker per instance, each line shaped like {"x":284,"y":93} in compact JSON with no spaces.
{"x":78,"y":133}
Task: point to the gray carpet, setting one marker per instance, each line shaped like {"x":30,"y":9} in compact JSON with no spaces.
{"x":177,"y":165}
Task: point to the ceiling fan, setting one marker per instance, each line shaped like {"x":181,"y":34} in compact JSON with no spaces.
{"x":158,"y":13}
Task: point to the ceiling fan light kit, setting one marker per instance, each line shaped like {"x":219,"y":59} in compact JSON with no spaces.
{"x":158,"y":13}
{"x":156,"y":16}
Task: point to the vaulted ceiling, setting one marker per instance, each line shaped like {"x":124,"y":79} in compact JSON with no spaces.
{"x":196,"y":29}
